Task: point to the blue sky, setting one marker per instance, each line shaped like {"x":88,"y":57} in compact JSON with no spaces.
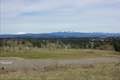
{"x":39,"y":16}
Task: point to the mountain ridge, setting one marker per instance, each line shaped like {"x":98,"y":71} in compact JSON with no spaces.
{"x":61,"y":35}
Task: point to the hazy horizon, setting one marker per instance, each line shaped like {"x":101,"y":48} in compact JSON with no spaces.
{"x":45,"y":16}
{"x":56,"y":32}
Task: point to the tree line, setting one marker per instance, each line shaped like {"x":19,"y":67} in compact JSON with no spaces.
{"x":84,"y":43}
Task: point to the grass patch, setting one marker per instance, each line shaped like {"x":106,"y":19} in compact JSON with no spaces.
{"x":98,"y":72}
{"x":37,"y":53}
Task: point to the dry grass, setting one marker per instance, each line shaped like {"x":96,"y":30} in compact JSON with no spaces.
{"x":97,"y":72}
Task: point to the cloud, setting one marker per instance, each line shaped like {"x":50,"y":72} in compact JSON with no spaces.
{"x":16,"y":7}
{"x":53,"y":13}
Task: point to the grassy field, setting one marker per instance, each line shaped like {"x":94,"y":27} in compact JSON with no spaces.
{"x":108,"y":71}
{"x":95,"y":72}
{"x":37,"y":53}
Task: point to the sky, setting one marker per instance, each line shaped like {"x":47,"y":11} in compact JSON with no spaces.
{"x":41,"y":16}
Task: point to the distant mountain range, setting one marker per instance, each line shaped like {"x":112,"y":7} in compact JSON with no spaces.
{"x":59,"y":35}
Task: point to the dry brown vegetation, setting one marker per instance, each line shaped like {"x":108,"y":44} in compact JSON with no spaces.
{"x":94,"y":72}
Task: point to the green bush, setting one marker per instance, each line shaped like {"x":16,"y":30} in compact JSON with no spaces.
{"x":116,"y":44}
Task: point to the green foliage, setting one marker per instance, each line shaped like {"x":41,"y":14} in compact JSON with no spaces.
{"x":116,"y":44}
{"x":83,"y":43}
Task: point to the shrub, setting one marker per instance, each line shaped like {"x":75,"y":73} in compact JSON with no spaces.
{"x":116,"y":44}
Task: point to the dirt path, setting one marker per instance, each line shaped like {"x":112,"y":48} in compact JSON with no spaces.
{"x":12,"y":64}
